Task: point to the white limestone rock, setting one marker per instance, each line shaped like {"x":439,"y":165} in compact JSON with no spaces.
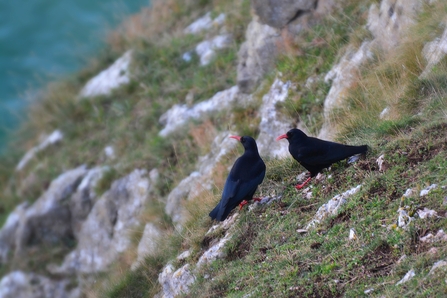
{"x":205,"y":23}
{"x":404,"y":219}
{"x":430,"y":238}
{"x":434,"y":52}
{"x":437,"y":265}
{"x":257,"y":54}
{"x":109,"y":151}
{"x":214,"y":252}
{"x":280,"y":13}
{"x":54,"y":138}
{"x":114,"y":76}
{"x":332,"y":206}
{"x":9,"y":229}
{"x":18,"y":284}
{"x":426,"y":213}
{"x":381,"y":162}
{"x":273,"y":123}
{"x":106,"y":231}
{"x":343,"y":76}
{"x":427,"y":190}
{"x":82,"y":201}
{"x":410,"y":274}
{"x":46,"y":219}
{"x":409,"y":193}
{"x":174,"y":283}
{"x":148,"y":243}
{"x":176,"y":117}
{"x":206,"y":50}
{"x":389,"y":22}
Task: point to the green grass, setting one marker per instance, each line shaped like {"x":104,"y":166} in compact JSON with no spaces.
{"x":266,"y":257}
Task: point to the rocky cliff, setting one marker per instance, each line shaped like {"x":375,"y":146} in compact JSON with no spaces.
{"x":122,"y":163}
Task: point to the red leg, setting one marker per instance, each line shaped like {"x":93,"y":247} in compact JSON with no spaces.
{"x":242,"y":204}
{"x":299,"y":186}
{"x":257,"y":199}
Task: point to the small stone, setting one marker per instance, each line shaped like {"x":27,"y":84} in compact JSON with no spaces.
{"x":409,"y":193}
{"x":187,"y":57}
{"x":437,"y":265}
{"x":384,"y":114}
{"x":352,"y":234}
{"x":383,"y":166}
{"x":401,"y":259}
{"x":426,"y":213}
{"x":410,"y":274}
{"x":110,"y":152}
{"x":368,"y":291}
{"x":433,"y":251}
{"x":426,"y":190}
{"x":301,"y":231}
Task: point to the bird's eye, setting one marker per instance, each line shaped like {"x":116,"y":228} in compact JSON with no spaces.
{"x":242,"y":139}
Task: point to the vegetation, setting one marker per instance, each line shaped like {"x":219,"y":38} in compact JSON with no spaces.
{"x":266,"y":256}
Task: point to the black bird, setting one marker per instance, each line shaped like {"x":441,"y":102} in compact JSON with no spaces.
{"x":315,"y":154}
{"x":247,"y":173}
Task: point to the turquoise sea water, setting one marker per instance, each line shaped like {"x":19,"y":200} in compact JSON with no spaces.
{"x":43,"y":39}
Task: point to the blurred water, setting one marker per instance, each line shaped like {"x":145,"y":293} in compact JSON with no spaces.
{"x":41,"y":39}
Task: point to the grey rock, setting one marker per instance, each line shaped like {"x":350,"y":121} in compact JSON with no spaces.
{"x":389,"y":22}
{"x":48,"y":219}
{"x":176,"y":282}
{"x":148,"y":243}
{"x":273,"y":123}
{"x":177,"y":116}
{"x":256,"y":55}
{"x":205,"y":23}
{"x":437,"y":265}
{"x":20,"y":284}
{"x":105,"y":232}
{"x":54,"y":138}
{"x":114,"y":76}
{"x":409,"y":275}
{"x":427,"y":190}
{"x":82,"y":201}
{"x":332,"y":206}
{"x":9,"y":229}
{"x":343,"y":76}
{"x":279,"y":13}
{"x":206,"y":50}
{"x":433,"y":52}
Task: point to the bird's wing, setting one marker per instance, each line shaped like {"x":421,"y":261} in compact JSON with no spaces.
{"x":325,"y":153}
{"x":237,"y":190}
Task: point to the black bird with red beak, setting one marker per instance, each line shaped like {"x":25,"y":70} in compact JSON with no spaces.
{"x":246,"y":174}
{"x":315,"y":154}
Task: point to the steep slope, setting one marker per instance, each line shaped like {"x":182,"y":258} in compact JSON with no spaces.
{"x":118,"y":202}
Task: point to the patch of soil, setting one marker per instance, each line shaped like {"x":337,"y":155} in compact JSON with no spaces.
{"x":380,"y":261}
{"x":341,"y":217}
{"x":315,"y":245}
{"x":243,"y":245}
{"x":316,"y":290}
{"x":208,"y":239}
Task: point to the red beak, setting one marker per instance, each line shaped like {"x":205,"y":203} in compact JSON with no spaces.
{"x":236,"y":137}
{"x":284,"y":136}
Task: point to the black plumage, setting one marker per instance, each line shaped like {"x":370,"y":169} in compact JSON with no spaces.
{"x":316,"y":154}
{"x":246,"y":174}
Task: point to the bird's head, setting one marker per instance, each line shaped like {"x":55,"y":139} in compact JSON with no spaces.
{"x":294,"y":134}
{"x":247,"y":142}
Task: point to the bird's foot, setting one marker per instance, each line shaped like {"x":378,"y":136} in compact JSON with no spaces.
{"x":300,"y":186}
{"x":257,"y":199}
{"x":242,"y":204}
